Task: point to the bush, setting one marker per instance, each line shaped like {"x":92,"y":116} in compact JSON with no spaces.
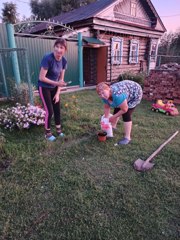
{"x":139,"y":77}
{"x":21,"y":94}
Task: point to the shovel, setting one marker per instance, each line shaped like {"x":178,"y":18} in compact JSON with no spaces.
{"x":142,"y":166}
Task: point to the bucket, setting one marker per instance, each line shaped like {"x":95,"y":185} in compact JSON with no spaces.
{"x":102,"y":136}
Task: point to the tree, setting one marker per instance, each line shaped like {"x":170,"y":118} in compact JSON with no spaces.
{"x":9,"y":13}
{"x":170,"y":44}
{"x":47,"y":9}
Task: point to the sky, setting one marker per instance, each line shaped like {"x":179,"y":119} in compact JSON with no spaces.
{"x":168,"y":10}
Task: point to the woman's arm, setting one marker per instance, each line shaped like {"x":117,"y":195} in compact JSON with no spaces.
{"x":123,"y":109}
{"x":106,"y":110}
{"x":61,"y":79}
{"x":43,"y":78}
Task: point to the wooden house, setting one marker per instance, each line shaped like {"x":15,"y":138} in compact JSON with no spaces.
{"x":118,"y":36}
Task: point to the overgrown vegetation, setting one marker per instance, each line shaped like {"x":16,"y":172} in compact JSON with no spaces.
{"x":79,"y":188}
{"x":170,"y":48}
{"x":137,"y":77}
{"x":9,"y":13}
{"x":55,"y":7}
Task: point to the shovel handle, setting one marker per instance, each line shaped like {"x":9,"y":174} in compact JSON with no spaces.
{"x":160,"y":147}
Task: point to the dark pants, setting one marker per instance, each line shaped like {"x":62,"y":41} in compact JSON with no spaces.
{"x":126,"y":116}
{"x":47,"y":95}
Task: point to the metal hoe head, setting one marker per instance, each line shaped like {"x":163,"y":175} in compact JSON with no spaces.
{"x":142,"y":166}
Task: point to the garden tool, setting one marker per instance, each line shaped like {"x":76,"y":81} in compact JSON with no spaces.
{"x":141,"y":165}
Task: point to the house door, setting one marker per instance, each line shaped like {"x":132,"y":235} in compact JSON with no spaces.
{"x":101,"y":64}
{"x":94,"y":65}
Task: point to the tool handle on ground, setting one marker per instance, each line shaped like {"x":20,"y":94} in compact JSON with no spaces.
{"x":161,"y":146}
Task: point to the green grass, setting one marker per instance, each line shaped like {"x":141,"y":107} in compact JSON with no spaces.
{"x":82,"y":189}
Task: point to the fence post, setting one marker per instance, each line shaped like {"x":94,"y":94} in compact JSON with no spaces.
{"x":3,"y":75}
{"x":28,"y":78}
{"x":159,"y":61}
{"x":12,"y":44}
{"x":149,"y":62}
{"x":80,"y":59}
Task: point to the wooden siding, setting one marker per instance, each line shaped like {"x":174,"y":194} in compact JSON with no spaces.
{"x":122,"y":12}
{"x":113,"y":71}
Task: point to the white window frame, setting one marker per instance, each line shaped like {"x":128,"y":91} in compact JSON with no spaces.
{"x":153,"y":53}
{"x":133,"y":8}
{"x":116,"y":50}
{"x":134,"y":52}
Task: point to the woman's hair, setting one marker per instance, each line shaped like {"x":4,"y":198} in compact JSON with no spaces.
{"x":61,"y":41}
{"x":101,"y":87}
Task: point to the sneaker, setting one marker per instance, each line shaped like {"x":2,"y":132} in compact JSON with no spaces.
{"x":50,"y":138}
{"x":124,"y":141}
{"x":60,"y":134}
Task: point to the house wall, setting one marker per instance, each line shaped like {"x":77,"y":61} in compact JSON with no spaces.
{"x":113,"y":71}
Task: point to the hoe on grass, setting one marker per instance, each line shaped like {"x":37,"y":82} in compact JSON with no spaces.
{"x":142,"y":166}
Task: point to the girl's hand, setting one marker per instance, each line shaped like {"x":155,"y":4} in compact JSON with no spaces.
{"x":56,"y":98}
{"x":61,"y":83}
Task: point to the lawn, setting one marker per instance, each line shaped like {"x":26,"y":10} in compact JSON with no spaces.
{"x":78,"y":188}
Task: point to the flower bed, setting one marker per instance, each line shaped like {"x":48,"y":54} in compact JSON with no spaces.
{"x":21,"y":117}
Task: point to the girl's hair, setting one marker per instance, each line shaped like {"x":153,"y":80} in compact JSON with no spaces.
{"x":102,"y":86}
{"x":61,"y":41}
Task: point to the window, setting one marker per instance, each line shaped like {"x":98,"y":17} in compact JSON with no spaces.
{"x":153,"y":51}
{"x":116,"y":50}
{"x":134,"y":51}
{"x":133,"y":9}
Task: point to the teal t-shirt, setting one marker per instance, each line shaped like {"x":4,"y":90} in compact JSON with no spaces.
{"x":116,"y":100}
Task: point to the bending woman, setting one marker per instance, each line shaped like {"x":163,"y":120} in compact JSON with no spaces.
{"x":123,"y":96}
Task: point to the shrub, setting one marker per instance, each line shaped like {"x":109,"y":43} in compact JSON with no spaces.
{"x":21,"y":94}
{"x":21,"y":116}
{"x":139,"y":77}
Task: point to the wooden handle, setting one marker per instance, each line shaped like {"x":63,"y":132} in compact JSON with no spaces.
{"x":161,"y":146}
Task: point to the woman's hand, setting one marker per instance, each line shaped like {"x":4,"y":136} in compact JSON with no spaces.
{"x":61,"y":83}
{"x":112,"y":119}
{"x":56,"y":98}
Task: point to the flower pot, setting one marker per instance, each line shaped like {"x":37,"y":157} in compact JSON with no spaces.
{"x":102,"y":136}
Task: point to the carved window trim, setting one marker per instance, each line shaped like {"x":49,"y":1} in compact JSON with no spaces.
{"x":134,"y":51}
{"x":116,"y":50}
{"x":153,"y":50}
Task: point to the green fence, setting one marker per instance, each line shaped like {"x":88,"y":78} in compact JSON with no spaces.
{"x":7,"y":82}
{"x":36,"y":49}
{"x":165,"y":59}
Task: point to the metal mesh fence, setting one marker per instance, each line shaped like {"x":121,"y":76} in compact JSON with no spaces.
{"x":8,"y":82}
{"x":165,"y":59}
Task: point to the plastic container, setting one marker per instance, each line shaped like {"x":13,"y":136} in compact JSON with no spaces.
{"x":102,"y":136}
{"x":106,"y":126}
